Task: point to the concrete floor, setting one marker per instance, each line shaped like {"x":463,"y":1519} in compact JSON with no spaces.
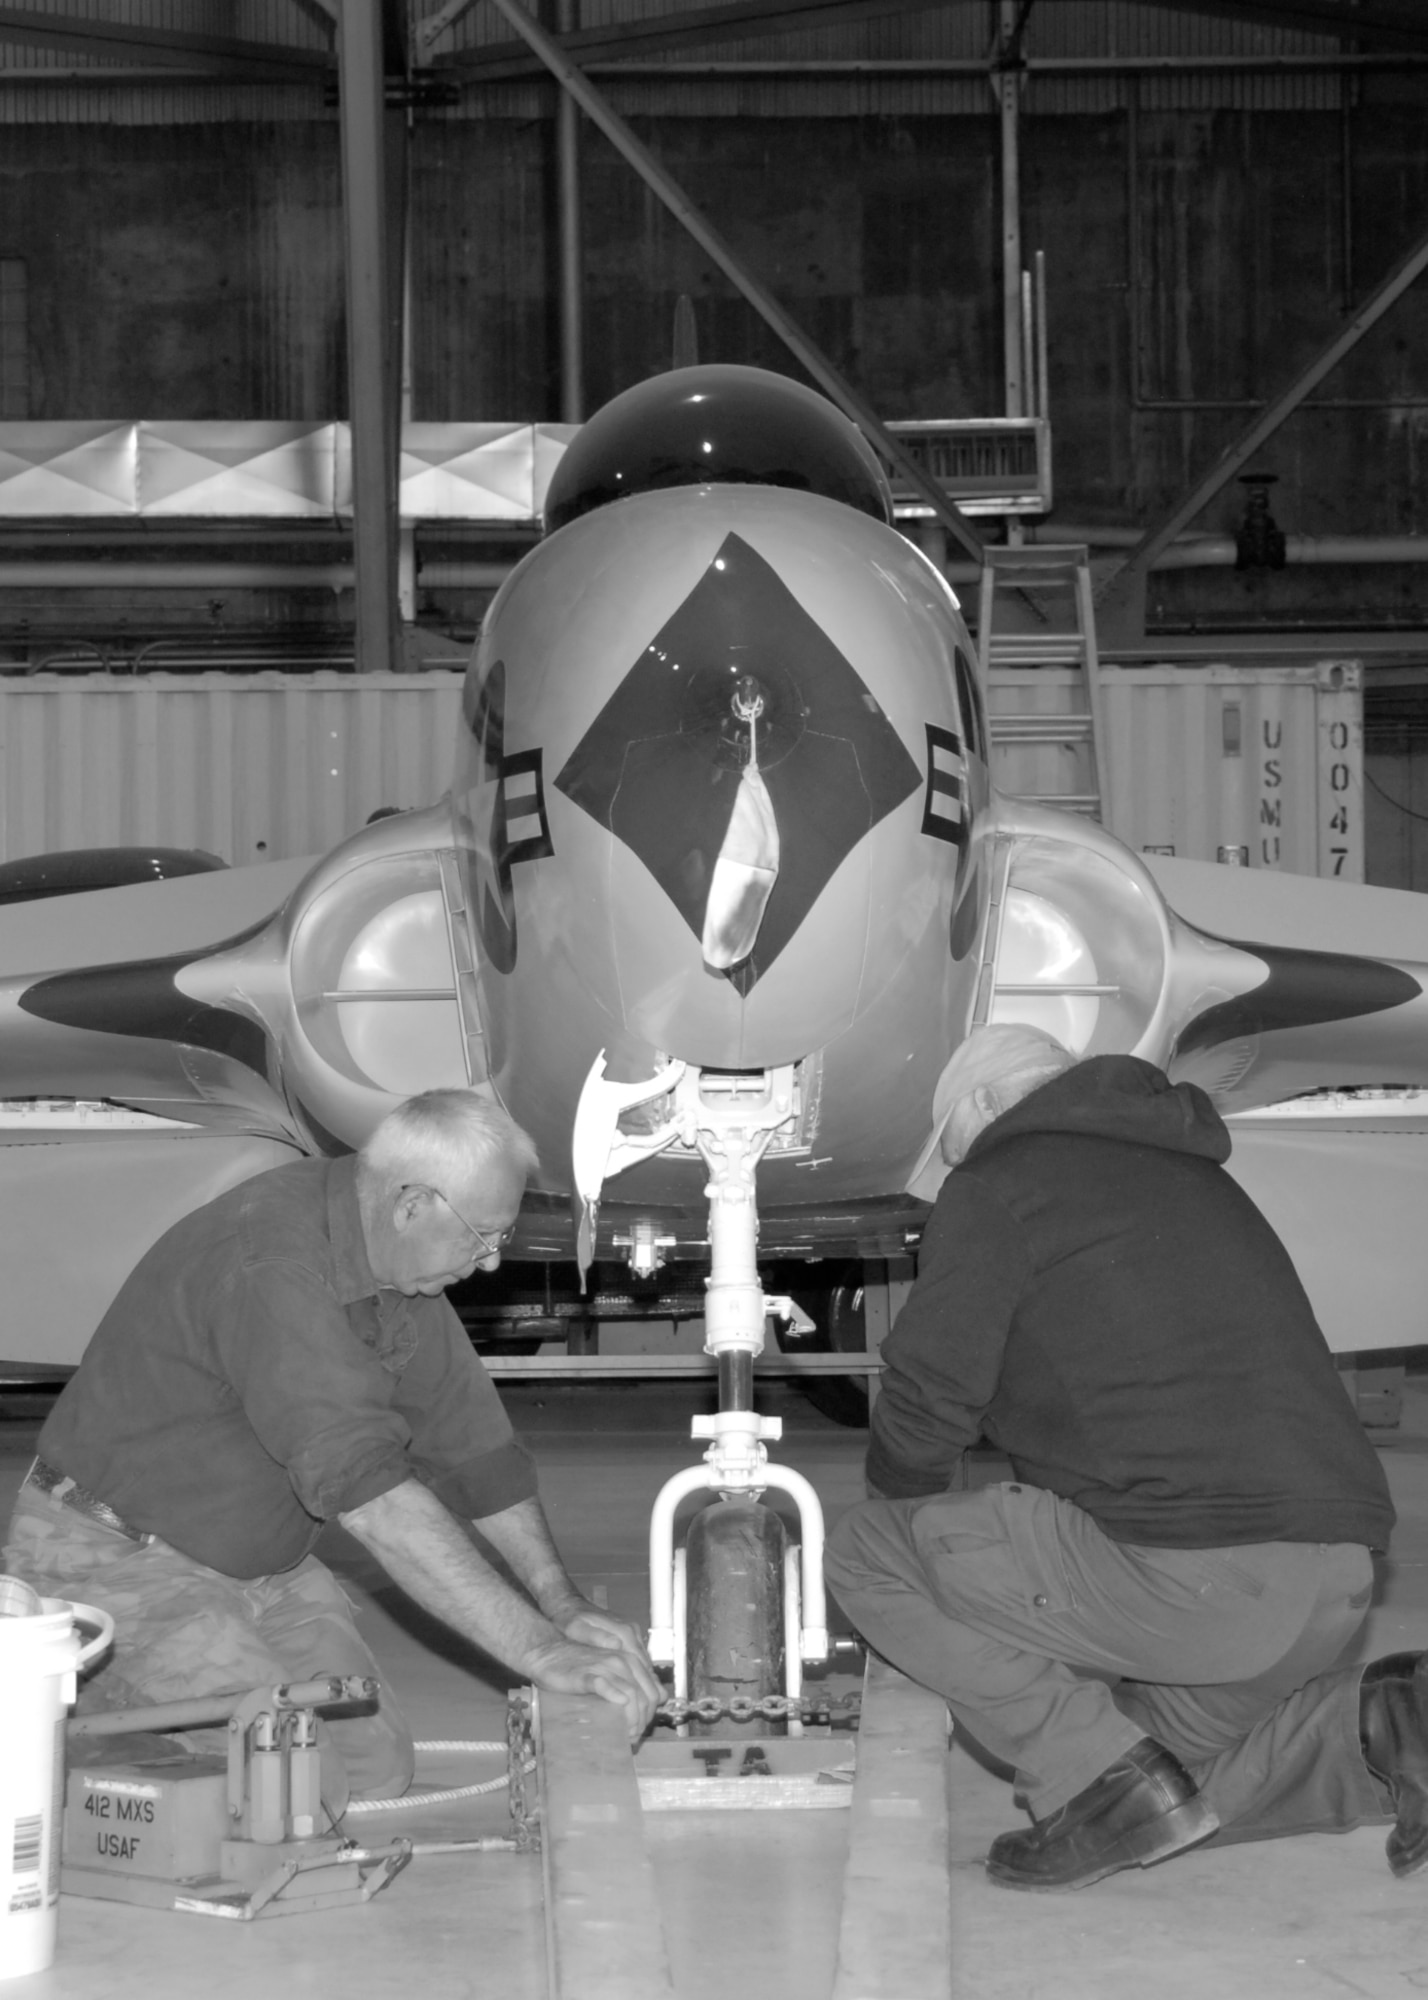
{"x":751,"y":1901}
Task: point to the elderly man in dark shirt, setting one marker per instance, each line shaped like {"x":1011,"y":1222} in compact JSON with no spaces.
{"x":284,"y":1357}
{"x":1144,"y":1622}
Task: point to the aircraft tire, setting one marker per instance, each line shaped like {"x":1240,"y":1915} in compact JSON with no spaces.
{"x":734,"y":1571}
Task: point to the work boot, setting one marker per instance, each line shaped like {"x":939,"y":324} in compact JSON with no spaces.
{"x":1393,"y":1735}
{"x":1143,"y":1808}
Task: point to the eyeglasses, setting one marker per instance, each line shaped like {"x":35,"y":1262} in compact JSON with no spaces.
{"x":491,"y":1246}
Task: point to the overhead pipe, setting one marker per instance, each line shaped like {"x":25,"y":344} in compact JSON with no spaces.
{"x":856,"y":69}
{"x":214,"y":576}
{"x":1190,"y":552}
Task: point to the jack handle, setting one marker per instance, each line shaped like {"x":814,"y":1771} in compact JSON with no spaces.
{"x":214,"y":1709}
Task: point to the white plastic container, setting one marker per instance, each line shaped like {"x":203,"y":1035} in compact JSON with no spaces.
{"x":40,"y":1656}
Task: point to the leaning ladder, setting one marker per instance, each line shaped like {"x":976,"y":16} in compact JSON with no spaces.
{"x":1048,"y":579}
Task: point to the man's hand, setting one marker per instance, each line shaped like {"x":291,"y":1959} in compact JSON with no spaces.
{"x":590,"y":1627}
{"x":605,"y":1669}
{"x":561,"y":1642}
{"x":597,"y":1628}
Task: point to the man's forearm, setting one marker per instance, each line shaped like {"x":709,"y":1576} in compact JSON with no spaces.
{"x":427,"y":1551}
{"x":522,"y":1536}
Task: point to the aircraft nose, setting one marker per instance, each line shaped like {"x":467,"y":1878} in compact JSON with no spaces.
{"x":741,"y":758}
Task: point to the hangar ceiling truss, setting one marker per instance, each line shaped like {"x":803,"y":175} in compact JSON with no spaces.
{"x":1365,"y":25}
{"x":221,"y":56}
{"x":377,"y":52}
{"x":1368,"y":24}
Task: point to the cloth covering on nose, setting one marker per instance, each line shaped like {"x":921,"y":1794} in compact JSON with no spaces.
{"x":994,"y":1055}
{"x":744,"y":875}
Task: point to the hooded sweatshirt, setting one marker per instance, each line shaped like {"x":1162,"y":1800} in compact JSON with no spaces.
{"x":1101,"y":1301}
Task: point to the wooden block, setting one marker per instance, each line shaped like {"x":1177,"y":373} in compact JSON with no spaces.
{"x":604,"y":1938}
{"x":895,"y":1935}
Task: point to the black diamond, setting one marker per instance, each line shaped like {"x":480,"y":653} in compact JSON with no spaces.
{"x":660,"y":764}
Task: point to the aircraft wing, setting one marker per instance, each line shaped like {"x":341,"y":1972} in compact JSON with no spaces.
{"x":1340,"y":1002}
{"x":90,"y":1007}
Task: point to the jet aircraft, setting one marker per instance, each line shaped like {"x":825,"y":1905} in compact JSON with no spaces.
{"x":721,"y":855}
{"x":721,"y":883}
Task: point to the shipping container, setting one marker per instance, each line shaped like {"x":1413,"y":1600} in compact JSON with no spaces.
{"x":1264,"y":762}
{"x":252,"y":768}
{"x":1252,"y":764}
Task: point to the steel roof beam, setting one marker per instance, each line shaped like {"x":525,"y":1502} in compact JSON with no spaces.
{"x":1395,"y":23}
{"x":372,"y":374}
{"x":743,"y":20}
{"x":213,"y":54}
{"x":828,"y":378}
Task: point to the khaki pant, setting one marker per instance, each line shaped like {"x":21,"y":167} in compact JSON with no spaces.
{"x":1057,"y":1648}
{"x":182,"y":1630}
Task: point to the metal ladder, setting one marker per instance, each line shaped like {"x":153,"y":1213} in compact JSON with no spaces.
{"x":1061,"y":574}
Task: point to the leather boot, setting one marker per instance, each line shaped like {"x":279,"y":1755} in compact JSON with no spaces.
{"x":1393,"y":1735}
{"x":1143,"y":1808}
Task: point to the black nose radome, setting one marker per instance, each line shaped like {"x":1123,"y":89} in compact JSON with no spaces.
{"x":716,"y":426}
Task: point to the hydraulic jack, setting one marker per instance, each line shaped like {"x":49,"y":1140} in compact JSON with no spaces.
{"x":240,"y":1836}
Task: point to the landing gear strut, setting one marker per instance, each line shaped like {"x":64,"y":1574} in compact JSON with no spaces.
{"x":752,"y":1610}
{"x":738,"y":1605}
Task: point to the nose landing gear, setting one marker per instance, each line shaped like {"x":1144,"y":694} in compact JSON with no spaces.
{"x":740,"y":1610}
{"x":746,"y":1610}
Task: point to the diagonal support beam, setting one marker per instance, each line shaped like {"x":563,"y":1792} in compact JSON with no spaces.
{"x":1404,"y":273}
{"x":759,"y":297}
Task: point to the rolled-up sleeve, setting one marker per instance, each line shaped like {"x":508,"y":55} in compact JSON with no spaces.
{"x":462,"y":1443}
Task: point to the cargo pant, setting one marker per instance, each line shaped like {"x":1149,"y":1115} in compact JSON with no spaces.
{"x":1057,"y":1649}
{"x":183,"y":1630}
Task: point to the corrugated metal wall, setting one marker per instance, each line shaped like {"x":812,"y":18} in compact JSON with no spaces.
{"x":1264,"y":759}
{"x":212,"y":260}
{"x":253,"y":769}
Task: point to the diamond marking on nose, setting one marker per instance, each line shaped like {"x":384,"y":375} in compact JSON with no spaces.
{"x":659,"y":766}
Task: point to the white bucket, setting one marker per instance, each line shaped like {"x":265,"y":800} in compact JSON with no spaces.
{"x":40,"y":1655}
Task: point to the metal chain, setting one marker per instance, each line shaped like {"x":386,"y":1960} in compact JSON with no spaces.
{"x":831,"y":1710}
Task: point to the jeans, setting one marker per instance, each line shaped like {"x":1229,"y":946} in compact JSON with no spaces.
{"x":1057,"y":1649}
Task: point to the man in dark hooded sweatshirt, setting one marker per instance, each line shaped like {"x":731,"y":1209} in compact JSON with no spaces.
{"x":1144,"y":1622}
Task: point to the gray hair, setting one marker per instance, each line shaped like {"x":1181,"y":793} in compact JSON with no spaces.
{"x":444,"y":1139}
